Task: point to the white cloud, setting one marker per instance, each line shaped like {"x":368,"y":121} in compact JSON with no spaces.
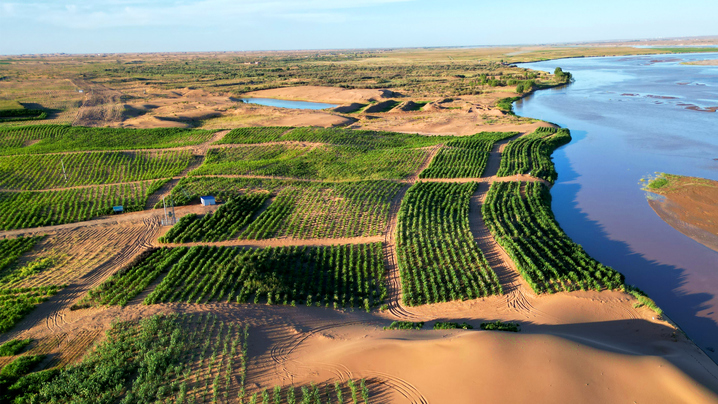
{"x":133,"y":13}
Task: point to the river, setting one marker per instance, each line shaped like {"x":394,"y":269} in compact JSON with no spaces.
{"x":631,"y":117}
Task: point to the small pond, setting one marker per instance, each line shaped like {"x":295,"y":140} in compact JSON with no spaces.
{"x":272,"y":102}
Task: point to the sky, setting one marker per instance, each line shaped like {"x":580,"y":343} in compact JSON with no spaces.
{"x":100,"y":26}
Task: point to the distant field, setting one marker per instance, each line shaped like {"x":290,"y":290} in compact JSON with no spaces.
{"x":60,"y":138}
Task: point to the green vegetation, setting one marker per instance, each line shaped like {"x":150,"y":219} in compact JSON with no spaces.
{"x":531,"y":154}
{"x":339,"y":210}
{"x":61,"y":138}
{"x":14,"y":346}
{"x":465,"y":157}
{"x":224,"y":224}
{"x":452,"y":326}
{"x":500,"y":326}
{"x":384,"y":106}
{"x":303,"y":209}
{"x":438,"y":257}
{"x":19,"y":210}
{"x":15,"y":303}
{"x":11,"y":249}
{"x":131,"y":280}
{"x":405,"y":325}
{"x":14,"y":111}
{"x":658,"y":182}
{"x":561,"y":76}
{"x":519,"y":217}
{"x":31,"y":172}
{"x":323,"y":162}
{"x":507,"y":104}
{"x":21,"y":366}
{"x":686,"y":49}
{"x":338,"y":276}
{"x":643,"y":299}
{"x":177,"y":358}
{"x":254,"y":135}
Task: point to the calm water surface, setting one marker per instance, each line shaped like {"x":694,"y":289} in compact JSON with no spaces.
{"x":272,"y":102}
{"x":631,"y":117}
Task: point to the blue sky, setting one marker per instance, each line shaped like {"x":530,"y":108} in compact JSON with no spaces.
{"x":91,"y":26}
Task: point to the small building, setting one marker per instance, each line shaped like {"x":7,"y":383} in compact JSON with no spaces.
{"x":118,"y":209}
{"x":207,"y":200}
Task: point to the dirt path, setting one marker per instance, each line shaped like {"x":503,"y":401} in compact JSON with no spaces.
{"x":433,"y":151}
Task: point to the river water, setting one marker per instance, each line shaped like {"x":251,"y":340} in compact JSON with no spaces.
{"x":631,"y":117}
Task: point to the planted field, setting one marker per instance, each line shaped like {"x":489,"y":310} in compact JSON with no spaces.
{"x":363,"y":138}
{"x":519,"y":217}
{"x":438,"y":257}
{"x":341,"y":210}
{"x":254,"y":135}
{"x":15,"y":303}
{"x":11,"y":249}
{"x":25,"y":209}
{"x":175,"y":358}
{"x":323,"y":163}
{"x":60,"y":138}
{"x":338,"y":276}
{"x":14,"y":111}
{"x":32,"y":172}
{"x":531,"y":154}
{"x":224,"y":224}
{"x":303,"y":209}
{"x":464,"y":157}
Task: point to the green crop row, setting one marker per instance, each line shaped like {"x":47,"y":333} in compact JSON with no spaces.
{"x":465,"y":157}
{"x":12,"y":248}
{"x":439,"y":260}
{"x":31,"y":172}
{"x":19,"y":210}
{"x":531,"y":154}
{"x":519,"y":217}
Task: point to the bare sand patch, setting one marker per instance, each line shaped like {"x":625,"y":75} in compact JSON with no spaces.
{"x":324,"y":94}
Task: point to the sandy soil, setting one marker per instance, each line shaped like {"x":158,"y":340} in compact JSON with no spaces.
{"x":690,"y":207}
{"x":324,"y":94}
{"x":709,"y":62}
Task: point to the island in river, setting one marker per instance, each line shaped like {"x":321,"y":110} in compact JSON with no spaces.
{"x":688,"y":205}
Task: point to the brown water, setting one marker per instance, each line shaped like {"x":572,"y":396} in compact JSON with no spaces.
{"x":630,"y":117}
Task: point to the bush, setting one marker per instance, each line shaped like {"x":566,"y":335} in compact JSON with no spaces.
{"x":405,"y":325}
{"x":452,"y":326}
{"x":500,"y":326}
{"x":13,"y":347}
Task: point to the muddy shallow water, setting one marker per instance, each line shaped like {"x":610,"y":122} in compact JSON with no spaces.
{"x":631,"y":117}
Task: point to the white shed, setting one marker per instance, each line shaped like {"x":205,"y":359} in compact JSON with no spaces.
{"x":207,"y":200}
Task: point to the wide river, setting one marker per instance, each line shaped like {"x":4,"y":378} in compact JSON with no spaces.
{"x":631,"y":117}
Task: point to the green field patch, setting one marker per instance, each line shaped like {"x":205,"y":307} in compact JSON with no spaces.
{"x":19,"y":210}
{"x":254,"y":135}
{"x":34,"y":172}
{"x":224,"y":224}
{"x":465,"y":157}
{"x":439,"y":325}
{"x":405,"y":325}
{"x":439,"y":260}
{"x":323,"y":163}
{"x":500,"y":326}
{"x":531,"y":154}
{"x":62,"y":138}
{"x":336,"y":276}
{"x":519,"y":217}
